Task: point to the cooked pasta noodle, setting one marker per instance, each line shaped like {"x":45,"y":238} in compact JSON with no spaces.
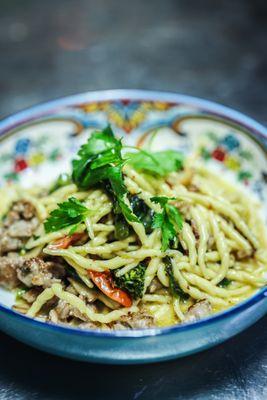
{"x":217,"y":256}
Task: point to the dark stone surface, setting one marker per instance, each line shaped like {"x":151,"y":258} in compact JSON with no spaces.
{"x":211,"y":49}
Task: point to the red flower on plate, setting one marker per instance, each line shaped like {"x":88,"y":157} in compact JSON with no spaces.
{"x":20,"y":165}
{"x":219,"y":154}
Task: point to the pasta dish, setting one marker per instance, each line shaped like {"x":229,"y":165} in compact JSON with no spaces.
{"x":130,"y":239}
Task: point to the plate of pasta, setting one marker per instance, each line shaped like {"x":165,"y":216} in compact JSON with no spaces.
{"x":133,"y":225}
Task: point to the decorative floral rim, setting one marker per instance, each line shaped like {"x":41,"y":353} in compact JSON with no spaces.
{"x":255,"y":130}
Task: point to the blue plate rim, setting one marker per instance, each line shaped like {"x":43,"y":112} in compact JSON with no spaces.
{"x":10,"y":122}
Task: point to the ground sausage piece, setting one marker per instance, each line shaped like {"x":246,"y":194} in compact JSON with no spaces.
{"x":22,"y":228}
{"x":198,"y":311}
{"x":8,"y":274}
{"x":138,"y":320}
{"x":37,"y":272}
{"x":92,"y":325}
{"x":63,"y":311}
{"x":18,"y":226}
{"x":8,"y":244}
{"x":20,"y":210}
{"x":31,"y":295}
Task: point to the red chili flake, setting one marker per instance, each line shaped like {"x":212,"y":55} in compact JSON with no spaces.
{"x":219,"y":154}
{"x":20,"y":165}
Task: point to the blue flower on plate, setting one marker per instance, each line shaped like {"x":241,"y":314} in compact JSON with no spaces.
{"x":230,"y":142}
{"x":22,"y":146}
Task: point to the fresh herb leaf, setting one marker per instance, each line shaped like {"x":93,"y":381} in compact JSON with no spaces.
{"x":224,"y":283}
{"x":99,"y":161}
{"x":174,"y":287}
{"x":133,"y":281}
{"x":170,"y":221}
{"x":122,"y":228}
{"x":63,"y":180}
{"x":159,"y":163}
{"x":68,"y":213}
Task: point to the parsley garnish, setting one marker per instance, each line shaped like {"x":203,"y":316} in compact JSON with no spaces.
{"x":159,"y":163}
{"x":169,"y":221}
{"x":70,"y":212}
{"x":100,"y":161}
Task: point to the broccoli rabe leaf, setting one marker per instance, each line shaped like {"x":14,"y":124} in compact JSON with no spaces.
{"x":68,"y":213}
{"x":133,"y":281}
{"x":170,"y":221}
{"x":224,"y":283}
{"x":174,"y":287}
{"x":143,"y":212}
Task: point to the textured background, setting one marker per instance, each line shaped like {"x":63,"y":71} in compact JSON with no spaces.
{"x":211,"y":49}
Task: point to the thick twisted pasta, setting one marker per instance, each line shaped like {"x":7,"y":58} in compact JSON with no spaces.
{"x":221,"y":255}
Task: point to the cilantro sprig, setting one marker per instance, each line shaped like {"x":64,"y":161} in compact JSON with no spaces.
{"x":159,"y":163}
{"x":69,"y":213}
{"x":170,"y":220}
{"x":100,"y":161}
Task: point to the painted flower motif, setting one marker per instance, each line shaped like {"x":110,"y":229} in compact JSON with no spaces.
{"x":6,"y":157}
{"x":231,"y":142}
{"x":219,"y":154}
{"x":22,"y":146}
{"x":232,"y":163}
{"x":205,"y":154}
{"x":228,"y":151}
{"x":213,"y":137}
{"x":244,"y":175}
{"x":11,"y":177}
{"x":36,"y":159}
{"x":54,"y":155}
{"x":40,"y":141}
{"x":20,"y":165}
{"x":246,"y":155}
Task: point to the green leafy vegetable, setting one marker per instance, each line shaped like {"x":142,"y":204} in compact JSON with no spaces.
{"x":122,"y":229}
{"x":174,"y":287}
{"x":63,"y":180}
{"x":159,"y":163}
{"x":71,"y":272}
{"x":224,"y":283}
{"x":70,"y":212}
{"x":169,"y":221}
{"x":143,"y":212}
{"x":133,"y":281}
{"x":99,"y":161}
